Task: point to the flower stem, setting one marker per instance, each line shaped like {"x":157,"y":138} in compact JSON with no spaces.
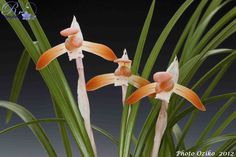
{"x":124,"y":92}
{"x":160,"y":128}
{"x":83,"y":102}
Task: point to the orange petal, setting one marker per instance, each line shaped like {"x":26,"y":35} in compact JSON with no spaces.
{"x":50,"y":55}
{"x":190,"y":95}
{"x":138,"y":81}
{"x":141,"y":93}
{"x":69,"y":31}
{"x":99,"y":49}
{"x":100,"y":81}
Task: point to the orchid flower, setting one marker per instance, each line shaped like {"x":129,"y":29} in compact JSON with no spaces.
{"x":121,"y":77}
{"x":164,"y":86}
{"x":74,"y":45}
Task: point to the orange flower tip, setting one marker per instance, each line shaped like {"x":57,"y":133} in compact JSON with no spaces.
{"x":69,"y":31}
{"x":203,"y":108}
{"x":99,"y":50}
{"x":40,"y":65}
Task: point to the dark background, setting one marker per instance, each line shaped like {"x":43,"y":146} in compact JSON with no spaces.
{"x":117,"y":24}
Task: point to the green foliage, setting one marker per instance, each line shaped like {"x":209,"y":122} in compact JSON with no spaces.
{"x":198,"y":42}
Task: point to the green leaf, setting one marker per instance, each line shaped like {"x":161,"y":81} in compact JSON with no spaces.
{"x":172,"y":121}
{"x":178,"y":133}
{"x":26,"y":116}
{"x":106,"y":134}
{"x":162,"y":38}
{"x":221,"y":128}
{"x":214,"y":120}
{"x":193,"y":41}
{"x":58,"y":120}
{"x":58,"y":86}
{"x":36,"y":121}
{"x":18,"y":80}
{"x":213,"y":140}
{"x":63,"y":131}
{"x":191,"y":24}
{"x":135,"y":67}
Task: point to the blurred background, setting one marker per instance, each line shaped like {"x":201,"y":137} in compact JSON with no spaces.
{"x":117,"y":24}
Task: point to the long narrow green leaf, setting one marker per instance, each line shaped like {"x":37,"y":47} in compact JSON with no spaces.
{"x":230,"y":15}
{"x":135,"y":67}
{"x":144,"y":134}
{"x":56,"y":86}
{"x":159,"y":43}
{"x":214,"y":120}
{"x":213,"y":140}
{"x":18,"y":80}
{"x":206,"y":94}
{"x":221,"y":128}
{"x":191,"y":43}
{"x":187,"y":28}
{"x":178,"y":134}
{"x":106,"y":134}
{"x":36,"y":121}
{"x":63,"y":131}
{"x":224,"y":147}
{"x":58,"y":120}
{"x":206,"y":101}
{"x":26,"y":116}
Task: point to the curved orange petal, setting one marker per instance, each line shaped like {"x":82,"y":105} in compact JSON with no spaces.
{"x":50,"y":55}
{"x":69,"y":31}
{"x":141,"y":93}
{"x":100,"y":81}
{"x":99,"y":49}
{"x":138,"y":81}
{"x":190,"y":95}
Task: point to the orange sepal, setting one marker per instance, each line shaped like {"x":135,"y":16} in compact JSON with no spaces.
{"x":99,"y":49}
{"x":100,"y":81}
{"x":141,"y":93}
{"x":190,"y":95}
{"x":50,"y":55}
{"x":138,"y":81}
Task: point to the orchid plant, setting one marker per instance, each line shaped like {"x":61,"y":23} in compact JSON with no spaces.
{"x":161,"y":134}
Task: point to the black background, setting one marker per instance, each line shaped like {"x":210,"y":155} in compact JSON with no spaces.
{"x":117,"y":24}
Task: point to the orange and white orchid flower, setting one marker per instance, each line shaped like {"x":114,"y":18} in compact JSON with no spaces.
{"x":121,"y":77}
{"x":74,"y":45}
{"x":165,"y":84}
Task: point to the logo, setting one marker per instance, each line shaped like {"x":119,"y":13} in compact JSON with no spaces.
{"x":13,"y":9}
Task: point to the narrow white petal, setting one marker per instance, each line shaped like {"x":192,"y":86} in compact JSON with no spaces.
{"x":174,"y":70}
